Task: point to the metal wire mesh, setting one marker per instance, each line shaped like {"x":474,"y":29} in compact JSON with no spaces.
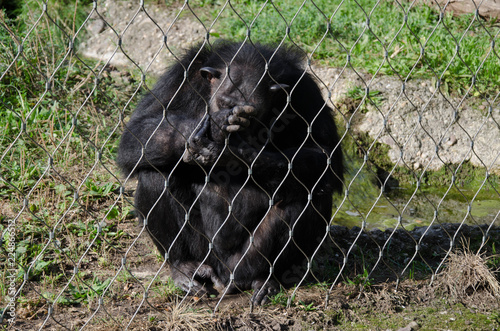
{"x":71,"y":244}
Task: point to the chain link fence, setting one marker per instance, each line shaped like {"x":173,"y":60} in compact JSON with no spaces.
{"x":413,"y":90}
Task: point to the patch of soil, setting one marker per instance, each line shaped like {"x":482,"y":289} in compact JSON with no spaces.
{"x":347,"y":306}
{"x":134,"y":300}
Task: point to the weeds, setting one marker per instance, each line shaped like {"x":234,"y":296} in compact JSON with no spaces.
{"x":493,"y":260}
{"x":83,"y":293}
{"x":360,"y":280}
{"x":187,"y":317}
{"x":166,"y":289}
{"x":359,"y":94}
{"x":467,"y":273}
{"x":418,"y":270}
{"x":280,"y":299}
{"x":307,"y":306}
{"x":57,"y":151}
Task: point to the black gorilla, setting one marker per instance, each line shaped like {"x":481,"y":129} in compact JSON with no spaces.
{"x":237,"y":157}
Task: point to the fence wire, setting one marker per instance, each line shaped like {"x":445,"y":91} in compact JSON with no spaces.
{"x":417,"y":119}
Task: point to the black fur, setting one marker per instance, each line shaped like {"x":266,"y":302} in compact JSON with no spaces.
{"x":207,"y":124}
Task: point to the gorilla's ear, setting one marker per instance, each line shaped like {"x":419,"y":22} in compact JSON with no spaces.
{"x":279,"y":87}
{"x":209,"y":73}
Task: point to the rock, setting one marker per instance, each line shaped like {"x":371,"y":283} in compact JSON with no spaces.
{"x":488,"y":8}
{"x":410,"y":327}
{"x":143,"y":37}
{"x":452,"y":140}
{"x":96,"y":26}
{"x":416,"y":126}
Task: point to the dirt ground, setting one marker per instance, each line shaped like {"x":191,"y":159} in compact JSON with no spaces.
{"x":371,"y":303}
{"x":415,"y":305}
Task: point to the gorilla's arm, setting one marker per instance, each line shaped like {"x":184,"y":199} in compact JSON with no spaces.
{"x":154,"y":142}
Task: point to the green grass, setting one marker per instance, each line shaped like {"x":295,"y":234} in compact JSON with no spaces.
{"x":280,"y":299}
{"x":59,"y":119}
{"x":442,"y":317}
{"x":372,"y":37}
{"x":58,"y":112}
{"x":166,"y":289}
{"x":81,"y":292}
{"x":360,"y":280}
